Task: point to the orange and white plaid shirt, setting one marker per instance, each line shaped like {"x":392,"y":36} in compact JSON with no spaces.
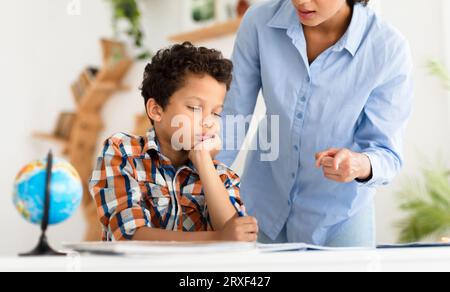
{"x":134,"y":185}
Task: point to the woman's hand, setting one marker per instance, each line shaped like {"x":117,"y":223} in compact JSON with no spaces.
{"x":343,"y":165}
{"x":240,"y":229}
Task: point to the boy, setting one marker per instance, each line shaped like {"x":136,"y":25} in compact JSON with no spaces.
{"x":166,"y":186}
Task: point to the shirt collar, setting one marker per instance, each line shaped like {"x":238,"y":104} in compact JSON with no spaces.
{"x":353,"y":38}
{"x":287,"y":18}
{"x":151,"y":142}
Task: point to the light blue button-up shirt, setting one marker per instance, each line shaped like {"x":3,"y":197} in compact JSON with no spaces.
{"x":355,"y":95}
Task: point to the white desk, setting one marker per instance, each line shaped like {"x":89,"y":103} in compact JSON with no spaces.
{"x":433,"y":259}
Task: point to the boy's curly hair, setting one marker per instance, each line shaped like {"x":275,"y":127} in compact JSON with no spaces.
{"x":353,"y":2}
{"x":169,"y":67}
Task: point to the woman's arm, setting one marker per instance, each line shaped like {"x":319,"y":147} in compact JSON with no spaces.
{"x":243,"y":95}
{"x":379,"y":137}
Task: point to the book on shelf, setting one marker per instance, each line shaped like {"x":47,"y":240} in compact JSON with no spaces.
{"x":85,"y":80}
{"x":64,"y":125}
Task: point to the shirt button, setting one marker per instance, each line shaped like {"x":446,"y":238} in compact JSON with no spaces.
{"x":300,"y":116}
{"x":303,"y":99}
{"x":296,"y":148}
{"x":293,"y":175}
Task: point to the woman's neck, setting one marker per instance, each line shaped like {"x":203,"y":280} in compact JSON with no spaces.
{"x":335,"y":26}
{"x":327,"y":34}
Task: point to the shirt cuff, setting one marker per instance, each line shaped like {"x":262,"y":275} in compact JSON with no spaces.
{"x":374,"y":178}
{"x":124,"y":225}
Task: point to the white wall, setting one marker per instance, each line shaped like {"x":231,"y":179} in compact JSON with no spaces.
{"x":43,"y":49}
{"x":446,"y":19}
{"x":428,"y":131}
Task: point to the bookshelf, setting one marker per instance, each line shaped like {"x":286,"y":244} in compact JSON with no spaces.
{"x":79,"y":131}
{"x":213,"y":31}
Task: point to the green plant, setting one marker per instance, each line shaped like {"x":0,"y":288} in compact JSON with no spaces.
{"x":128,"y":11}
{"x":438,"y":70}
{"x":203,"y":10}
{"x":427,"y":204}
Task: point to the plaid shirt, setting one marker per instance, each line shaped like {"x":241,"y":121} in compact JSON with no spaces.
{"x":135,"y":185}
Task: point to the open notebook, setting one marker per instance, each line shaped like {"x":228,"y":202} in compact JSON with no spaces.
{"x":155,"y":248}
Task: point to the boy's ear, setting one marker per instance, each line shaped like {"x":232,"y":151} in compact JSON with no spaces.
{"x":154,"y":110}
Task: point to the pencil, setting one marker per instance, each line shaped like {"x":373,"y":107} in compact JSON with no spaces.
{"x":237,"y":207}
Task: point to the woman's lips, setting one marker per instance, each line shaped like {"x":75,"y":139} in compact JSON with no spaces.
{"x":306,"y":14}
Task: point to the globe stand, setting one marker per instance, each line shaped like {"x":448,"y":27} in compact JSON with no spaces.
{"x":43,"y":248}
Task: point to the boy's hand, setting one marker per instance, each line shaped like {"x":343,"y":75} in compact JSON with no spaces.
{"x":240,"y":229}
{"x":208,"y":148}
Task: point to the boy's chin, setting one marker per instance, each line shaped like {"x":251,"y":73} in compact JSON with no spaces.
{"x":186,"y":150}
{"x":182,"y":149}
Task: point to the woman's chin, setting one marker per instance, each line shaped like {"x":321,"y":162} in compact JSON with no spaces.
{"x":310,"y":22}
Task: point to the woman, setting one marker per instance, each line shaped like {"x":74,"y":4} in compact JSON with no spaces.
{"x":339,"y":79}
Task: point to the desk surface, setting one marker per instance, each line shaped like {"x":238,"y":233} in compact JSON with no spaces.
{"x":425,"y":259}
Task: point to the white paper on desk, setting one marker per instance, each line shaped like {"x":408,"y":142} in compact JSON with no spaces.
{"x":161,"y":248}
{"x":281,"y":247}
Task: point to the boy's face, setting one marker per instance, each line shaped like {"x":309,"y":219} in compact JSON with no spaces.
{"x":315,"y":12}
{"x":193,"y":113}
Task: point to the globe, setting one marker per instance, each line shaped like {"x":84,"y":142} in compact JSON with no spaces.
{"x":65,"y":191}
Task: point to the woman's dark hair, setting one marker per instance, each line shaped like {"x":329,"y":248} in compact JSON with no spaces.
{"x":353,"y":2}
{"x":168,"y":69}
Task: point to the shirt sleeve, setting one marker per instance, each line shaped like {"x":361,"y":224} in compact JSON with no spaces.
{"x":243,"y":95}
{"x":117,"y":194}
{"x":380,"y":133}
{"x":232,"y":183}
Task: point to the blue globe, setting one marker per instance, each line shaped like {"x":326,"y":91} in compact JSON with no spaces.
{"x":65,"y":191}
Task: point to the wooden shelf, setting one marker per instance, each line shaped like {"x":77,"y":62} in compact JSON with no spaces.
{"x":107,"y":82}
{"x":111,"y":87}
{"x":214,"y":31}
{"x":78,"y":132}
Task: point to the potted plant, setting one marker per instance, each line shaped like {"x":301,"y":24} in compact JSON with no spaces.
{"x":427,"y":200}
{"x":439,"y":71}
{"x":127,"y":22}
{"x":427,"y":204}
